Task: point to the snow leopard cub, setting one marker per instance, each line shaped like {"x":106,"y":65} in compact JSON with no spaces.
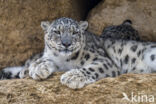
{"x":85,"y":57}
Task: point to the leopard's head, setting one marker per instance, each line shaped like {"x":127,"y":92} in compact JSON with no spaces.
{"x":64,"y":35}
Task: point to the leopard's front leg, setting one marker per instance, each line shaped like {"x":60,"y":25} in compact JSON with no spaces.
{"x":78,"y":78}
{"x":42,"y":68}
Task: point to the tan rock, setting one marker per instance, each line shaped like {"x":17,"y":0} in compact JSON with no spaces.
{"x":20,"y":32}
{"x":114,"y":12}
{"x":50,"y":91}
{"x":21,"y":36}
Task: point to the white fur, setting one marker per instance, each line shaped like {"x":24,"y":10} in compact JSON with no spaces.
{"x":13,"y":70}
{"x":147,"y":59}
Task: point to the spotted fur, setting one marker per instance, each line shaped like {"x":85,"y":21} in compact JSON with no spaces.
{"x":123,"y":31}
{"x":83,"y":56}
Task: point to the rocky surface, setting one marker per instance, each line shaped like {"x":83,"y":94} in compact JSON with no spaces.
{"x":20,"y":32}
{"x":50,"y":91}
{"x":113,"y":12}
{"x":21,"y":36}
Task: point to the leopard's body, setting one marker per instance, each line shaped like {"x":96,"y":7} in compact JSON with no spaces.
{"x":85,"y":57}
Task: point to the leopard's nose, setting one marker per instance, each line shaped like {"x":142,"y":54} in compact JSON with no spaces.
{"x":66,"y":44}
{"x":66,"y":40}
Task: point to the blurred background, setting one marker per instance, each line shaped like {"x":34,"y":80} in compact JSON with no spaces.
{"x":21,"y":35}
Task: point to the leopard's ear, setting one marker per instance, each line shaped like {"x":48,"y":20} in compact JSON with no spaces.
{"x":83,"y":25}
{"x":45,"y":25}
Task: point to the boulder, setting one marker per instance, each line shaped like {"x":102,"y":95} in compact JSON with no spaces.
{"x":105,"y":91}
{"x":21,"y":37}
{"x":114,"y":12}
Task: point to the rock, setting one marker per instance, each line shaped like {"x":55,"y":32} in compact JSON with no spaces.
{"x":21,"y":36}
{"x":20,"y":32}
{"x":50,"y":91}
{"x":114,"y":12}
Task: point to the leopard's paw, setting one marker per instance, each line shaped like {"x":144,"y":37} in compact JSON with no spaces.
{"x":40,"y":70}
{"x":75,"y":79}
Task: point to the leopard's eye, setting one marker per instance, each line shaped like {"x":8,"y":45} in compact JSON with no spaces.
{"x":57,"y":32}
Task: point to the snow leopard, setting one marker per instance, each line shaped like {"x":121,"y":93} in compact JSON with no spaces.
{"x":84,"y":57}
{"x":123,"y":31}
